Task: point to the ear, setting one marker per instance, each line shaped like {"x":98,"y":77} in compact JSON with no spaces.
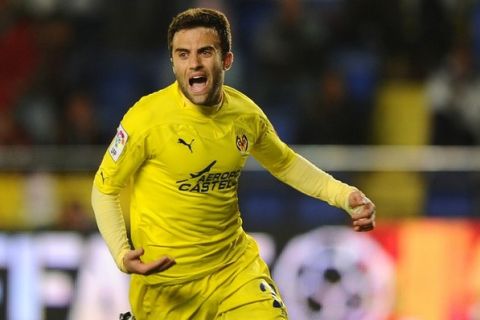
{"x":228,"y":61}
{"x":171,"y":61}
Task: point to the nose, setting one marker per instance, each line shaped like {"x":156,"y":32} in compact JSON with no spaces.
{"x":195,"y":61}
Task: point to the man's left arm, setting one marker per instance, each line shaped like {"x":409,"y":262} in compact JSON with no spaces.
{"x":301,"y":174}
{"x":304,"y":176}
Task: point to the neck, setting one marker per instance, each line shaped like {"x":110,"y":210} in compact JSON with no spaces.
{"x":203,"y":109}
{"x":219,"y":103}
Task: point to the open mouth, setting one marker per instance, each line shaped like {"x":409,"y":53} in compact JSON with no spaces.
{"x":198,"y":83}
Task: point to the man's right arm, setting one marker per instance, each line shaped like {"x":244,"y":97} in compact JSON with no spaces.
{"x":110,"y":222}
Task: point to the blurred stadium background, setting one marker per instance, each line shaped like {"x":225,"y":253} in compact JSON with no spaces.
{"x":383,"y":94}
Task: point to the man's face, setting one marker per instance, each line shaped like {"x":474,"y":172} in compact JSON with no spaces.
{"x":198,"y":64}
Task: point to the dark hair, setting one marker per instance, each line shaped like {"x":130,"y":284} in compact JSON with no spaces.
{"x":201,"y":17}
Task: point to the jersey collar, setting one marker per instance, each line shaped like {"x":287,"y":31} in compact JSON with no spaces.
{"x":199,"y":109}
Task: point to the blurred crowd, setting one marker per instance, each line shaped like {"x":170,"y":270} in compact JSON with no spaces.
{"x":348,"y":72}
{"x":69,"y":69}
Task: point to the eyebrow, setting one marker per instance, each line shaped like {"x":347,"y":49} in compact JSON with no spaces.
{"x":209,"y":47}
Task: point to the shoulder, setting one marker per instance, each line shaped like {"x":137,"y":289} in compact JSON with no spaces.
{"x":156,"y":102}
{"x":151,"y":109}
{"x":247,"y":114}
{"x":241,"y":102}
{"x":238,"y":96}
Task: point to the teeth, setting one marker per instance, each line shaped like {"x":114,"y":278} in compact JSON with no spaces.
{"x":197,"y":79}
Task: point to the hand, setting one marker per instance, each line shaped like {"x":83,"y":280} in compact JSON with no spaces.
{"x":133,"y":264}
{"x":363,"y":213}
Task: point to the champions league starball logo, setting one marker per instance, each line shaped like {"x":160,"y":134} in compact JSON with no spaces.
{"x":333,"y":273}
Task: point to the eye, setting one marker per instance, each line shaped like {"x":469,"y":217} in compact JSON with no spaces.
{"x":183,"y":55}
{"x":208,"y":52}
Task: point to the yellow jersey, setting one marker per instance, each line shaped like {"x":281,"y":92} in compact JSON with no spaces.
{"x":185,"y":161}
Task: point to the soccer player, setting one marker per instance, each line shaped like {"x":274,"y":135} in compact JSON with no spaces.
{"x":183,"y":148}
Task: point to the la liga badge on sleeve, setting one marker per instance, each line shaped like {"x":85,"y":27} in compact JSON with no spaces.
{"x":118,"y":143}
